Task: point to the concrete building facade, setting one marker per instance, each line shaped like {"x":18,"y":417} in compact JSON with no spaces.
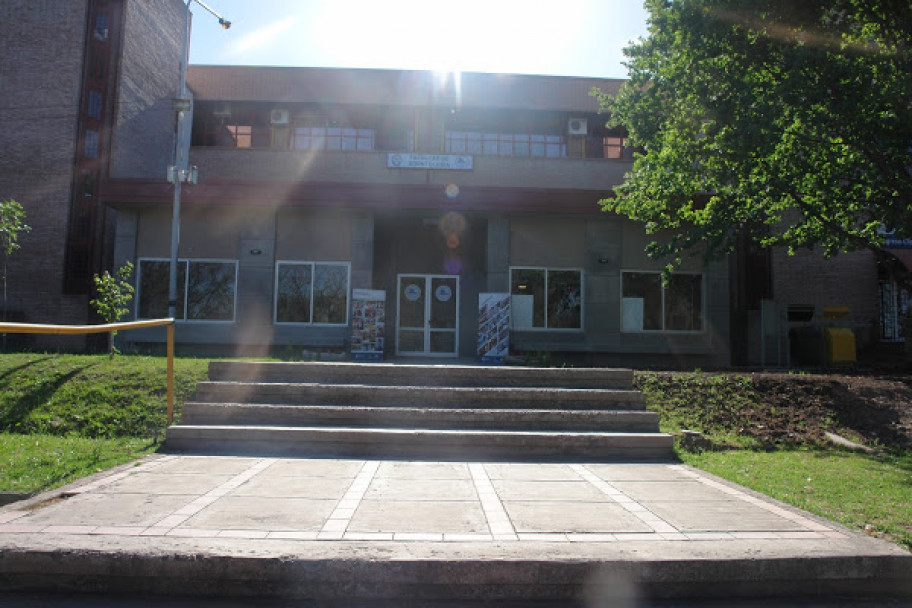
{"x":317,"y":183}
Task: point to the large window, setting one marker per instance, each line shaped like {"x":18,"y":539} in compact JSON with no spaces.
{"x":505,"y":144}
{"x":545,"y":298}
{"x":647,"y":305}
{"x":312,"y":292}
{"x":206,"y":289}
{"x":332,"y":138}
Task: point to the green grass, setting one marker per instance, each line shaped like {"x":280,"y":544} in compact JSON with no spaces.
{"x":91,"y":395}
{"x":33,"y":463}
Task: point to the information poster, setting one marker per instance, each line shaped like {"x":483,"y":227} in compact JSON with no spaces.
{"x":493,"y":327}
{"x":368,"y":324}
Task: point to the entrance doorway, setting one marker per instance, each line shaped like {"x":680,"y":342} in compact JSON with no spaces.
{"x":427,"y":322}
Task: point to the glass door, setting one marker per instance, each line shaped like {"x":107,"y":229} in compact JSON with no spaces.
{"x":428,"y":317}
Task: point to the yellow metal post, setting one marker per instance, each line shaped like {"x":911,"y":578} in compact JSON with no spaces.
{"x":170,"y":373}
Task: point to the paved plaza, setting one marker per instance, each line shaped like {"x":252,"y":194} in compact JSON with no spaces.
{"x":400,"y":501}
{"x":346,"y":528}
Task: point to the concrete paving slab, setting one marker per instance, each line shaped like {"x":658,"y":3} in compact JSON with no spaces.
{"x":424,"y":470}
{"x":450,"y":517}
{"x":399,"y":489}
{"x":716,"y":516}
{"x":638,"y":472}
{"x":107,"y":509}
{"x":679,"y":490}
{"x":165,"y":483}
{"x":528,"y":489}
{"x":212,"y":465}
{"x":335,"y":469}
{"x":277,"y":486}
{"x":259,"y":513}
{"x":555,"y":517}
{"x":536,"y":471}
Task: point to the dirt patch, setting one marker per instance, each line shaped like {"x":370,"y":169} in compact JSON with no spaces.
{"x":796,"y":408}
{"x":783,"y":408}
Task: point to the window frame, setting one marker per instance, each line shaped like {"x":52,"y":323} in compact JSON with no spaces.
{"x":187,"y":262}
{"x":547,"y":270}
{"x":313,"y":264}
{"x":505,"y":145}
{"x":662,"y":290}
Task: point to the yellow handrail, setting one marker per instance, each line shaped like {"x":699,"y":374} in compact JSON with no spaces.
{"x":69,"y":330}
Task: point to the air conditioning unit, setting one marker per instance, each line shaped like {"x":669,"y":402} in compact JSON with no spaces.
{"x":577,"y":126}
{"x":279,"y":117}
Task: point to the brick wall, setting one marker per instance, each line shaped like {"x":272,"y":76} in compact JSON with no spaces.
{"x":149,"y":73}
{"x":846,"y":280}
{"x":42,"y":45}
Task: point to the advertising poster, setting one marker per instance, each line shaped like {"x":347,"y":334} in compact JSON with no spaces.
{"x":493,"y":327}
{"x":368,"y":324}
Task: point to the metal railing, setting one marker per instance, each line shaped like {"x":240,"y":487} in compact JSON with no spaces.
{"x":69,"y":330}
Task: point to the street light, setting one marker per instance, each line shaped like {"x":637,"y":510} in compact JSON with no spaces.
{"x":180,"y":171}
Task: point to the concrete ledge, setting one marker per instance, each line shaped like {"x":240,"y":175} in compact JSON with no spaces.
{"x":195,"y":413}
{"x":533,"y":571}
{"x":436,"y":444}
{"x":420,"y":375}
{"x":421,"y":396}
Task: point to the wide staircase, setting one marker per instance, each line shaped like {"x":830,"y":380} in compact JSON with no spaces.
{"x":436,"y":412}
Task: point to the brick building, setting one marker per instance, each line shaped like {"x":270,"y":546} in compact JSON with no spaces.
{"x":317,"y":184}
{"x":87,"y":88}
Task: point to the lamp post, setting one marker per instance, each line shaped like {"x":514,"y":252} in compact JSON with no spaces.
{"x":180,"y":171}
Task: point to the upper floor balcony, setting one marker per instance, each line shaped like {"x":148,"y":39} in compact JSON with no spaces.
{"x":352,"y":144}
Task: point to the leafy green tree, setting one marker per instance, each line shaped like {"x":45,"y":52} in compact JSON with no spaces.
{"x":12,"y":223}
{"x":787,"y":120}
{"x":114,"y":293}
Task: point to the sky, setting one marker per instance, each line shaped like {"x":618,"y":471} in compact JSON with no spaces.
{"x":556,"y":37}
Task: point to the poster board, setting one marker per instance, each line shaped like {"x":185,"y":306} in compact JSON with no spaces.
{"x":368,"y":324}
{"x":493,"y":327}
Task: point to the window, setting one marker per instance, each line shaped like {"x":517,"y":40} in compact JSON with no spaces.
{"x":312,"y":292}
{"x":546,"y":298}
{"x":206,"y":289}
{"x":90,"y":147}
{"x":238,"y":130}
{"x":93,"y":109}
{"x":648,"y":306}
{"x":332,"y":138}
{"x":100,"y":31}
{"x":505,"y":144}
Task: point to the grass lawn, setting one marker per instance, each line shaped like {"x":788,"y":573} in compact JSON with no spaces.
{"x":67,"y":416}
{"x":32,"y":463}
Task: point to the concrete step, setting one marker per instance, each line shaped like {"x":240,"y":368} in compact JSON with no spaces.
{"x":420,"y":396}
{"x":419,"y":375}
{"x":257,"y":414}
{"x":436,"y":444}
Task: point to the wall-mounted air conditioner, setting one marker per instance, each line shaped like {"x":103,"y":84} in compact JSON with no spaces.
{"x":279,"y":117}
{"x":577,"y":126}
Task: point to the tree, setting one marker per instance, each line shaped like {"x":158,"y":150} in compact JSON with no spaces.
{"x":12,"y":223}
{"x":113,"y":296}
{"x":787,"y":120}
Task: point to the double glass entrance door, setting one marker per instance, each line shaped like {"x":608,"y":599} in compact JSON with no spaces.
{"x":428,"y":317}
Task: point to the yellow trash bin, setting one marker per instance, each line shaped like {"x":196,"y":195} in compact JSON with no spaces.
{"x":840,"y":345}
